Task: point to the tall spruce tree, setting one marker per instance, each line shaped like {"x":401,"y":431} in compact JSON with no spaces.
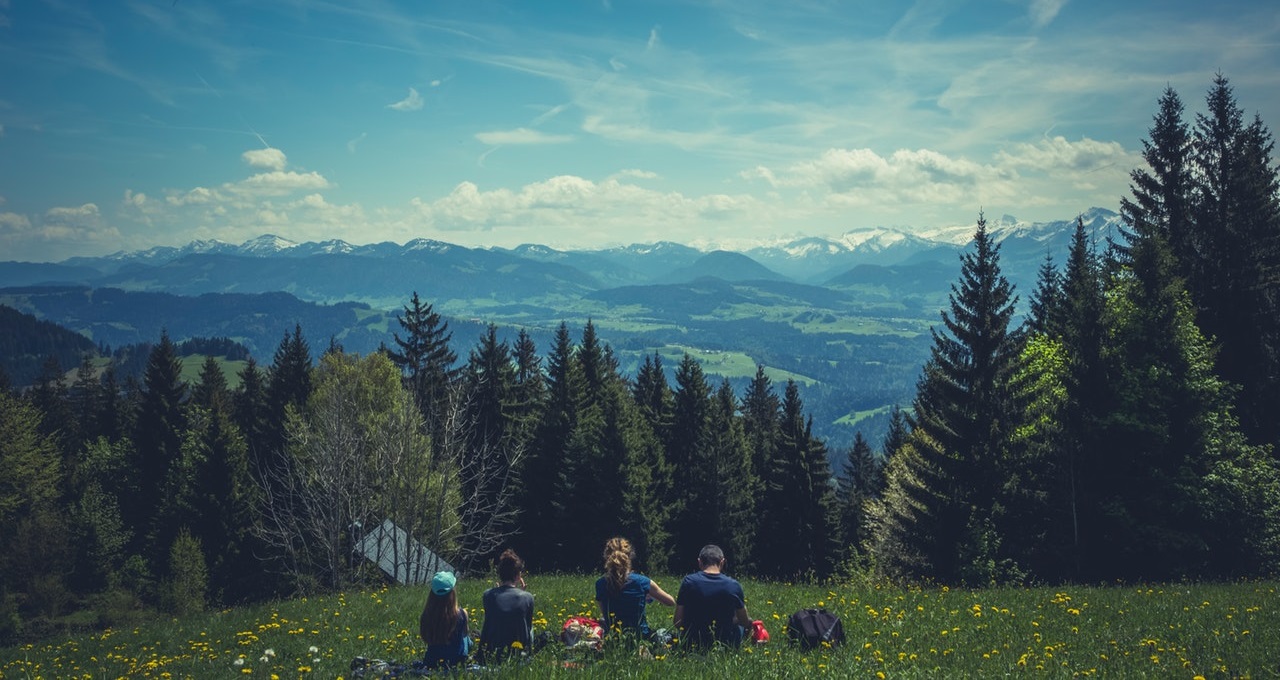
{"x":1046,"y":311}
{"x":250,"y":412}
{"x":549,"y":477}
{"x":942,"y":508}
{"x":731,"y":481}
{"x":799,"y":500}
{"x":653,"y":395}
{"x":288,"y":387}
{"x":425,"y":358}
{"x":688,"y":452}
{"x":1081,"y":452}
{"x":858,"y":482}
{"x":1236,"y":206}
{"x":158,"y":434}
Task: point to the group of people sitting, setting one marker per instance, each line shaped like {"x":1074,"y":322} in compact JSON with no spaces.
{"x":710,"y":608}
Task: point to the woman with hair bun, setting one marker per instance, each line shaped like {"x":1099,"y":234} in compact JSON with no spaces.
{"x":622,"y":594}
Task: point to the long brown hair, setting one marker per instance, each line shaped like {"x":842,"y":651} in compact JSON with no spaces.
{"x":439,"y":618}
{"x":618,"y":555}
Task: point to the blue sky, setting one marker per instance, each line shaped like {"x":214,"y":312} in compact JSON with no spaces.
{"x":577,"y":124}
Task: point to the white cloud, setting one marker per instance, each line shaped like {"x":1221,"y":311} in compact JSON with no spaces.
{"x":413,"y":102}
{"x":636,"y":173}
{"x":1044,"y":11}
{"x":279,"y":183}
{"x":862,"y":176}
{"x":196,"y":196}
{"x":521,"y":136}
{"x":88,"y":211}
{"x":653,"y":37}
{"x":13,"y":223}
{"x":575,"y":207}
{"x":75,"y":226}
{"x":269,"y":158}
{"x":351,"y":145}
{"x":1056,"y":154}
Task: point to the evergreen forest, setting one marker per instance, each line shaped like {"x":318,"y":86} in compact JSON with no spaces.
{"x":1122,"y":429}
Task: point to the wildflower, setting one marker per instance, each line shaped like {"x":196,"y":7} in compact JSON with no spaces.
{"x":238,"y":662}
{"x":517,"y":645}
{"x":313,"y":649}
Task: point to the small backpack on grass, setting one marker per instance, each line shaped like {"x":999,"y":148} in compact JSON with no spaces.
{"x":811,"y":627}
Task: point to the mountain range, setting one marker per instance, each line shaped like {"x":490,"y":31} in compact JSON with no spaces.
{"x":335,"y":270}
{"x":847,"y":317}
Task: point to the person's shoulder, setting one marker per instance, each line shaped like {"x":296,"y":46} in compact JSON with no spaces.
{"x":641,"y":579}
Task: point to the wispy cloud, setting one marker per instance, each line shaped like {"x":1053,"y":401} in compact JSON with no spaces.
{"x":1044,"y":11}
{"x":353,"y":143}
{"x":521,"y":136}
{"x":413,"y":102}
{"x":653,"y":37}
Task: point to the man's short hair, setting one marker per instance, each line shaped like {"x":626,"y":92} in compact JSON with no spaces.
{"x":710,"y":554}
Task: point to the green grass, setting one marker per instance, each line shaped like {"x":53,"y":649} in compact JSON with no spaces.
{"x":1176,"y":631}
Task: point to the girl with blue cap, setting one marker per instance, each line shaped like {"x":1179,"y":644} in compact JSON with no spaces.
{"x":443,"y":625}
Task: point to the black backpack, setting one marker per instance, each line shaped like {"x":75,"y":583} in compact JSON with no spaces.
{"x":812,"y":627}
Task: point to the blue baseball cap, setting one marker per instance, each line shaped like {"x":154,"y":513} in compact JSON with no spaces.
{"x":443,"y":582}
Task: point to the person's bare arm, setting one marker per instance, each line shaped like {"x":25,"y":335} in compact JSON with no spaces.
{"x":742,"y":618}
{"x":657,"y":593}
{"x":677,"y":619}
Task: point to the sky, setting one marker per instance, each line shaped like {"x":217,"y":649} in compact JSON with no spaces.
{"x":134,"y":123}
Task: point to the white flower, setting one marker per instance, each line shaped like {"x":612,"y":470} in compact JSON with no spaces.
{"x":269,"y":652}
{"x":313,"y":649}
{"x":238,"y":662}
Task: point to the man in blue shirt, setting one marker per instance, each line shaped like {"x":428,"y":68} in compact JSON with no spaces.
{"x":710,"y":606}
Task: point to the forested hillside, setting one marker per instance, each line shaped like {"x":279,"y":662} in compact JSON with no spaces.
{"x":1123,"y":430}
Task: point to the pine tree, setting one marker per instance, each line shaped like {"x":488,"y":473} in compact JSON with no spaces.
{"x":82,"y":401}
{"x":1237,"y":224}
{"x":687,"y":451}
{"x":158,"y":433}
{"x":1080,"y":452}
{"x":653,"y":395}
{"x":858,"y":482}
{"x":894,"y":437}
{"x":939,"y":517}
{"x":250,"y":412}
{"x":732,"y":482}
{"x":425,"y":357}
{"x":288,"y":387}
{"x":799,"y":501}
{"x":530,"y":388}
{"x":492,"y":446}
{"x":1046,"y":302}
{"x":548,"y":475}
{"x":210,"y":390}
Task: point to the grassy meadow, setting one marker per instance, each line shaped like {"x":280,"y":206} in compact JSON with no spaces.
{"x":1175,"y":631}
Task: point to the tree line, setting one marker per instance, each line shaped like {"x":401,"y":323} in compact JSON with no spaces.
{"x":1122,"y":429}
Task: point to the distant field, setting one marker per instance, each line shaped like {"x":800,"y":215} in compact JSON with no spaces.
{"x":231,"y":369}
{"x":727,"y":364}
{"x":1136,"y":631}
{"x":858,"y":416}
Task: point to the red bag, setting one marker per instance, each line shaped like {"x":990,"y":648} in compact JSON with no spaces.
{"x":581,"y":631}
{"x":759,"y":634}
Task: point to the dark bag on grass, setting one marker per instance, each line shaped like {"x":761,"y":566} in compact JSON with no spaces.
{"x":811,"y":627}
